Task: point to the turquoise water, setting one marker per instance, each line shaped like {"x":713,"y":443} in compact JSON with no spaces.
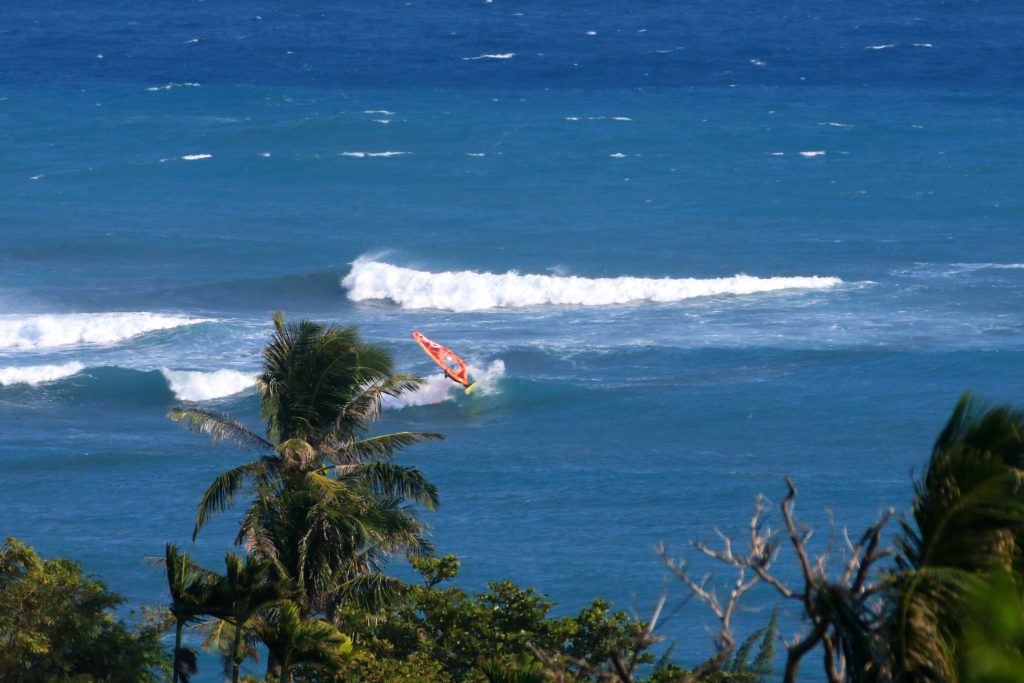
{"x":151,"y":226}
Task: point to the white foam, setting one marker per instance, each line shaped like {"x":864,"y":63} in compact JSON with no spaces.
{"x":757,"y":62}
{"x":572,"y":118}
{"x":196,"y":157}
{"x":923,"y":45}
{"x":834,"y":124}
{"x":385,"y":112}
{"x":381,"y":121}
{"x":48,"y":331}
{"x":880,"y":47}
{"x":621,"y":118}
{"x":475,"y":154}
{"x":193,"y":385}
{"x":437,"y":388}
{"x":361,"y":155}
{"x":503,"y":55}
{"x":171,"y":86}
{"x":617,"y":155}
{"x":36,"y":374}
{"x":474,"y":291}
{"x":777,"y":154}
{"x":813,"y":153}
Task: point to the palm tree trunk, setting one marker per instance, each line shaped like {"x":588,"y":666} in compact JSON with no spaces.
{"x":177,"y":649}
{"x":285,"y":678}
{"x":273,"y":666}
{"x":236,"y":655}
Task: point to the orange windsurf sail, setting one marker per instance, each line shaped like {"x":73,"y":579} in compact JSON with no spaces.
{"x":452,"y":365}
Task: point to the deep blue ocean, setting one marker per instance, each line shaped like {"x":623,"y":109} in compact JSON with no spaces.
{"x":687,"y":249}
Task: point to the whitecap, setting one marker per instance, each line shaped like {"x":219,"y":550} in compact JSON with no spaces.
{"x":880,"y":47}
{"x":834,"y":124}
{"x":476,"y":291}
{"x":196,"y":157}
{"x":194,"y":385}
{"x":617,"y":155}
{"x":813,"y":153}
{"x":503,"y":55}
{"x":360,"y":155}
{"x":757,"y":62}
{"x":923,"y":45}
{"x":37,"y":374}
{"x":621,"y":118}
{"x":385,"y":112}
{"x":48,"y":331}
{"x":171,"y":86}
{"x":381,"y":121}
{"x":475,"y":154}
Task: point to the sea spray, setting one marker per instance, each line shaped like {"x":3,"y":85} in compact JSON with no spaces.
{"x":475,"y":291}
{"x":438,"y":388}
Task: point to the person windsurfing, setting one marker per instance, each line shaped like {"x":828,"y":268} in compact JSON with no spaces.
{"x":453,"y":366}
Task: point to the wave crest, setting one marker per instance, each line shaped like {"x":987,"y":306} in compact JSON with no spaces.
{"x":472,"y":291}
{"x":37,"y":374}
{"x":47,"y":331}
{"x":194,"y":385}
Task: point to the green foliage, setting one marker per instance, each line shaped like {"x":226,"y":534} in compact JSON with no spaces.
{"x":56,"y":624}
{"x":968,"y":521}
{"x":494,"y":635}
{"x":993,"y":618}
{"x":764,"y":638}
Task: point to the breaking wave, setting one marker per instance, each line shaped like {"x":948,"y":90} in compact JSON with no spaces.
{"x":194,"y":385}
{"x":47,"y":331}
{"x":37,"y":374}
{"x":472,"y":291}
{"x":438,"y":388}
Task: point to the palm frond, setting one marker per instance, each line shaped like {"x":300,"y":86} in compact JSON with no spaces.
{"x":382,"y":447}
{"x":220,"y":495}
{"x":392,"y":481}
{"x":220,"y":426}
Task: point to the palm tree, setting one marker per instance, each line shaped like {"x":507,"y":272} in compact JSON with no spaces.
{"x":328,"y":501}
{"x":968,"y":525}
{"x":238,"y":597}
{"x":189,"y":585}
{"x":295,"y":641}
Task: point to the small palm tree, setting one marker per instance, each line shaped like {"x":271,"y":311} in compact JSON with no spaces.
{"x":189,"y":585}
{"x":294,"y":641}
{"x":238,"y":597}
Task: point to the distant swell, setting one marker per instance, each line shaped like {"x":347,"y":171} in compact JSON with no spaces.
{"x":193,"y":385}
{"x":47,"y":331}
{"x":473,"y":291}
{"x":37,"y":374}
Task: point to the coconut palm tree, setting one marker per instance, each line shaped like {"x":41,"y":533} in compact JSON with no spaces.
{"x":968,"y":525}
{"x":295,"y":641}
{"x":189,"y":585}
{"x":328,"y":502}
{"x":238,"y":597}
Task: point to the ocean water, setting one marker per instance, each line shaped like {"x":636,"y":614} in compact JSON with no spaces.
{"x":687,"y":250}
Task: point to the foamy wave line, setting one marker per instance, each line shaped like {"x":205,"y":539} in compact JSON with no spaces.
{"x":503,"y":55}
{"x":194,"y":385}
{"x":37,"y":374}
{"x":472,"y":291}
{"x":360,"y":155}
{"x":437,"y":388}
{"x":47,"y":331}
